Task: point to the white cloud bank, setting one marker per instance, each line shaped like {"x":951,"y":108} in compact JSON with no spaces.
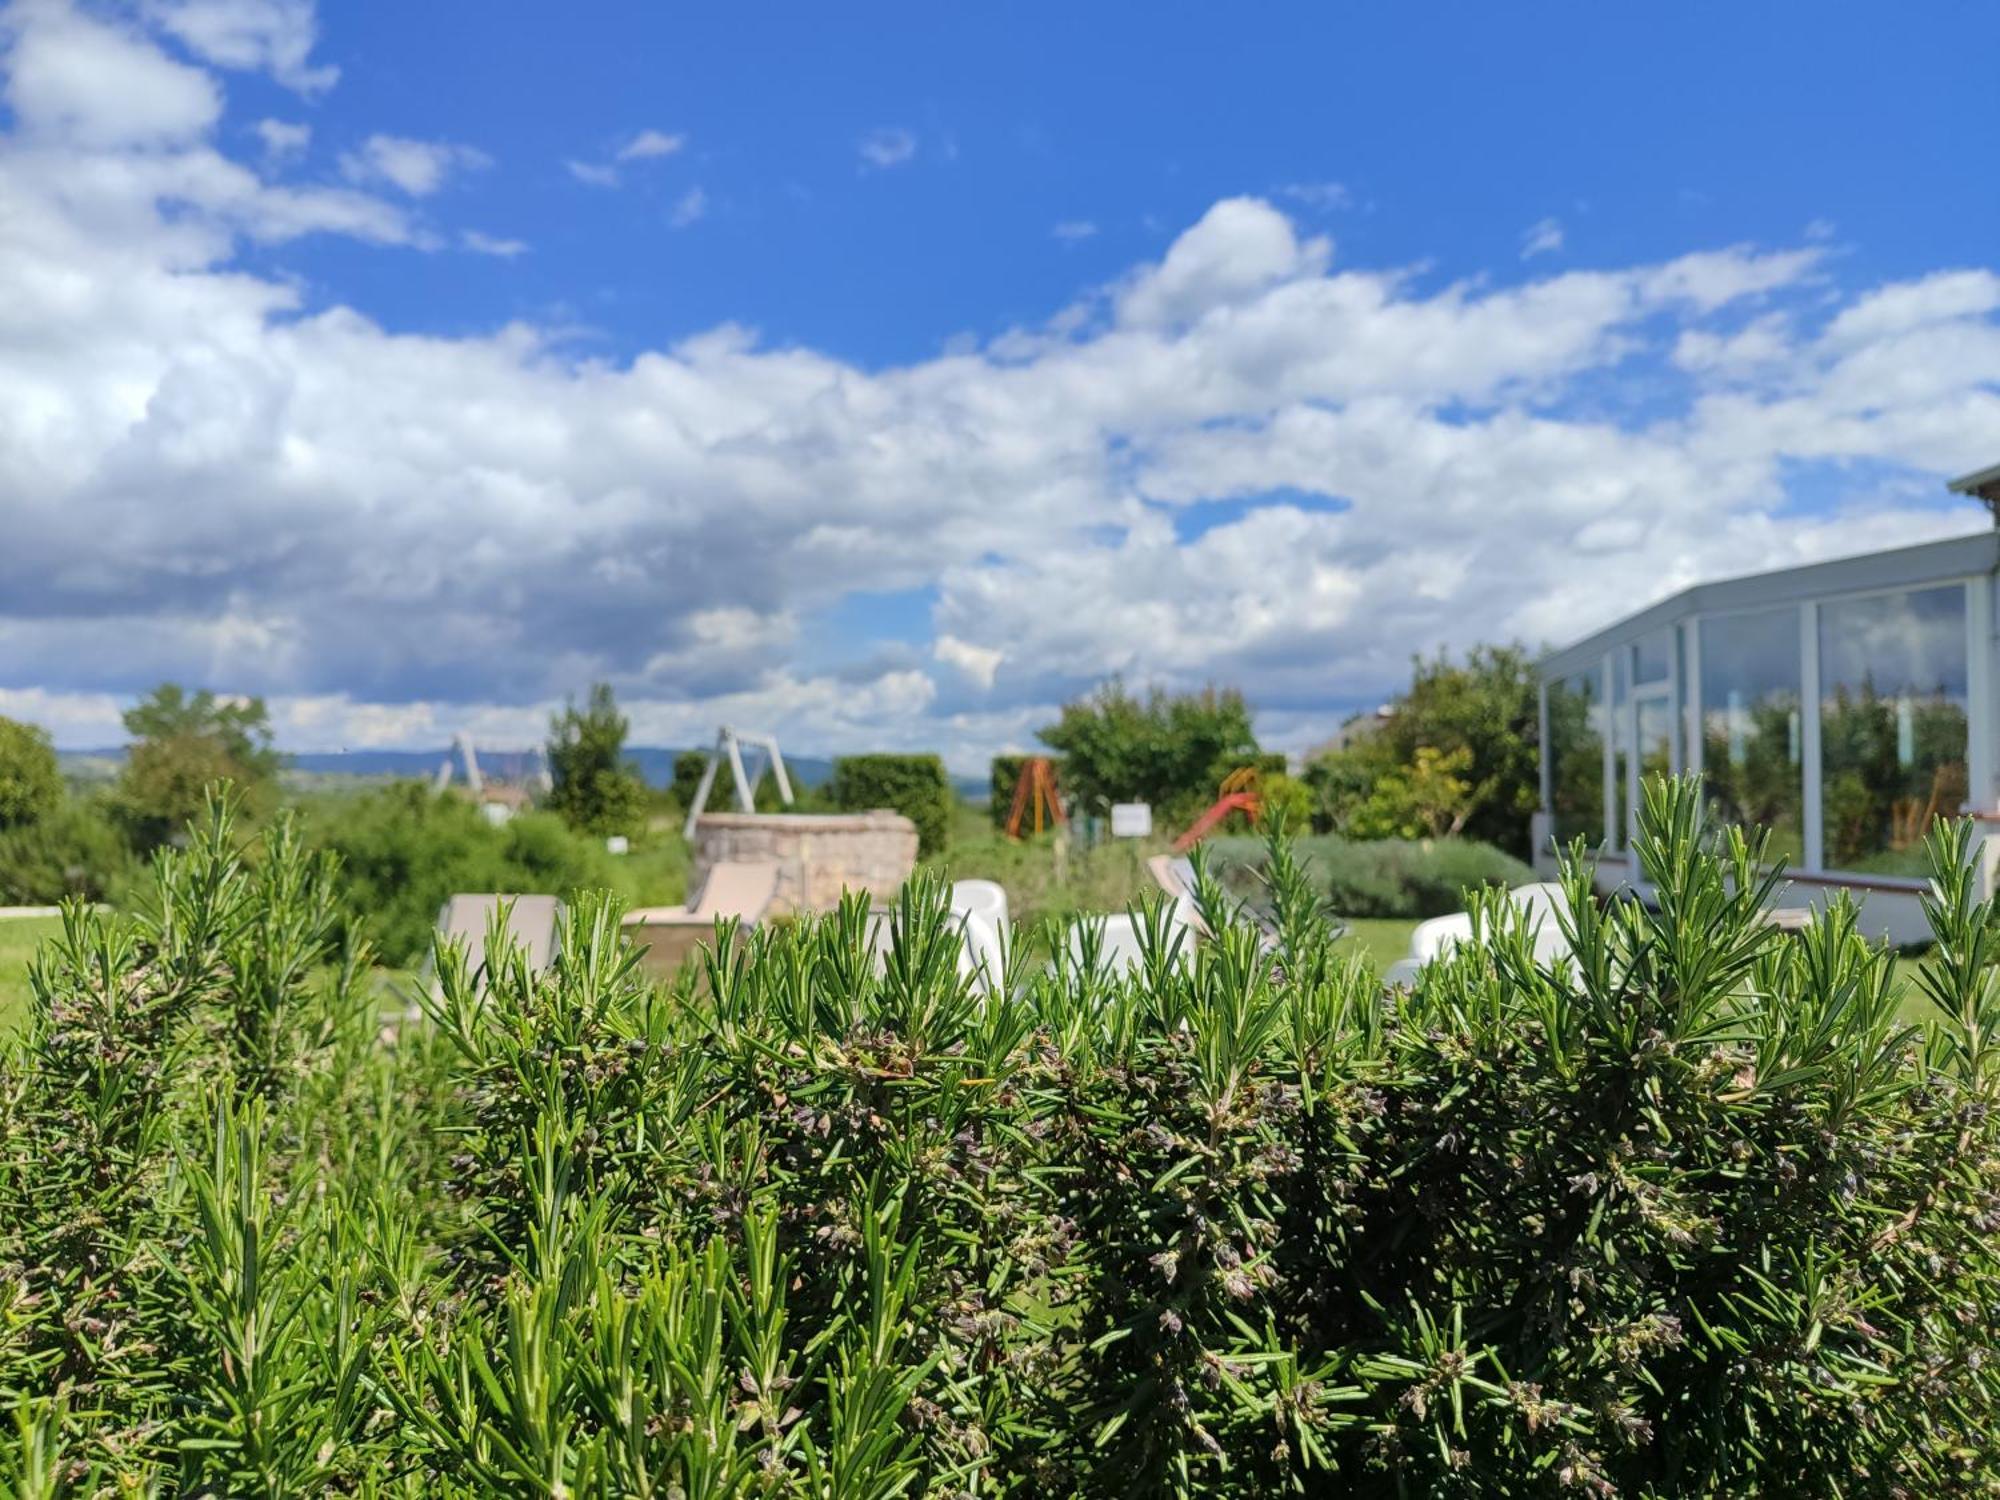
{"x":1243,"y":462}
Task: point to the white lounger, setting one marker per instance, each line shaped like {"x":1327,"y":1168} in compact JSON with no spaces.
{"x":533,"y":923}
{"x":1545,"y":904}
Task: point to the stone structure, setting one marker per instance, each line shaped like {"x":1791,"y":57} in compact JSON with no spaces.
{"x":818,"y":854}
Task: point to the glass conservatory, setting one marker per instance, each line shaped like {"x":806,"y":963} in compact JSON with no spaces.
{"x":1841,"y":706}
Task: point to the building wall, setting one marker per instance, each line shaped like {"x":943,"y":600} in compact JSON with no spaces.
{"x":818,"y":855}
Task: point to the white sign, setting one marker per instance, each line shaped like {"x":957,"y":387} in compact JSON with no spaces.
{"x":617,"y":844}
{"x":1131,"y":820}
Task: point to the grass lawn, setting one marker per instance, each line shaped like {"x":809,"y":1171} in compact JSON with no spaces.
{"x":18,"y":938}
{"x":1383,"y":939}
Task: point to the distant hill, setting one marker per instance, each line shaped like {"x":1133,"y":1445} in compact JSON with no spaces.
{"x":656,"y":764}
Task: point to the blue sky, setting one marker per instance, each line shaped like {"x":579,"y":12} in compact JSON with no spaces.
{"x":885,"y":375}
{"x":1446,"y":130}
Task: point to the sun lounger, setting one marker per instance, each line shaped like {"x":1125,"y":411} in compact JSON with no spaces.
{"x":1545,"y":903}
{"x":534,"y":923}
{"x":669,"y":935}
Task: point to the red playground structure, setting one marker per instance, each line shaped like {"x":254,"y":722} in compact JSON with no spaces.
{"x":1238,"y":793}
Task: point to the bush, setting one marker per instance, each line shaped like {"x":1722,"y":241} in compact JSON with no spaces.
{"x":1381,"y":877}
{"x":403,"y":850}
{"x":1702,"y":1219}
{"x":31,"y":784}
{"x":916,"y":786}
{"x":73,"y":851}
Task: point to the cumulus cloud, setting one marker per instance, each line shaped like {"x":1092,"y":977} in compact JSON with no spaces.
{"x":1072,"y":230}
{"x":98,"y":85}
{"x":1241,"y":247}
{"x":1237,"y":462}
{"x":418,"y":168}
{"x":979,"y":664}
{"x":890,"y":146}
{"x":271,"y":36}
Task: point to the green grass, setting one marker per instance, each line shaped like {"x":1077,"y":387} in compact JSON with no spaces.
{"x":18,"y":939}
{"x":1383,"y":939}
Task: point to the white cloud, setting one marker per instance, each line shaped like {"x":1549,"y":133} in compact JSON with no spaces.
{"x":98,"y":85}
{"x":595,"y":174}
{"x":481,"y":243}
{"x":1238,"y":463}
{"x":418,"y":168}
{"x":690,"y":206}
{"x":980,"y":664}
{"x":283,"y":139}
{"x":890,"y":146}
{"x":1541,"y":238}
{"x":1241,"y":247}
{"x":1072,"y":230}
{"x":649,"y":145}
{"x":271,"y":36}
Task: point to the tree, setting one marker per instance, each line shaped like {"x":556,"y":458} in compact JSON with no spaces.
{"x":31,"y":785}
{"x":596,"y":789}
{"x":1169,"y":749}
{"x":181,"y":743}
{"x":1481,"y":720}
{"x":1428,"y":798}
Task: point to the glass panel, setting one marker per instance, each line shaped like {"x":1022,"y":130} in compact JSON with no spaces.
{"x":1892,"y":725}
{"x":1576,"y":758}
{"x":1751,"y":765}
{"x":1652,"y":658}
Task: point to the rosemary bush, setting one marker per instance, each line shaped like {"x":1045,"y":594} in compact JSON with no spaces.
{"x":1702,"y":1217}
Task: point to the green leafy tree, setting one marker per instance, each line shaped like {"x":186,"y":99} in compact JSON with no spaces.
{"x":1169,"y":749}
{"x":1485,"y":712}
{"x":181,"y":743}
{"x":596,"y":789}
{"x":30,"y":780}
{"x":1429,"y":798}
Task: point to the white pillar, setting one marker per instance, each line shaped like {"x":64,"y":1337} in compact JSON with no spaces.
{"x":1809,"y":696}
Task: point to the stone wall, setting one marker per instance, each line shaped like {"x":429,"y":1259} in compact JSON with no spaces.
{"x":818,"y":854}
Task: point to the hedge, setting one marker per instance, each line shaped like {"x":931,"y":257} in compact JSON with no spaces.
{"x":916,"y":786}
{"x":1382,"y":877}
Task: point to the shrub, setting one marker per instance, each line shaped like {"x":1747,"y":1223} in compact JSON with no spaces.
{"x":403,"y":850}
{"x":73,"y":851}
{"x":1381,"y":877}
{"x":916,"y":786}
{"x":31,"y":784}
{"x":1703,"y":1218}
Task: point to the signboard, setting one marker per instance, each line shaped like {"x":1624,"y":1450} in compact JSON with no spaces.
{"x":1131,"y":820}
